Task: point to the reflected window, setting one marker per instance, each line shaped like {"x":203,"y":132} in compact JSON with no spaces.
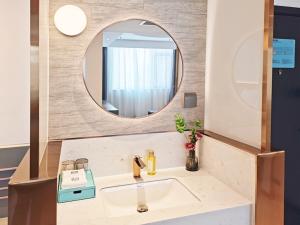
{"x":138,"y":81}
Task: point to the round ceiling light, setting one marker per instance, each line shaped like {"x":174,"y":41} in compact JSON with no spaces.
{"x":70,"y":20}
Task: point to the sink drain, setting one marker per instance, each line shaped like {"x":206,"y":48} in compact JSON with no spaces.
{"x":142,"y":208}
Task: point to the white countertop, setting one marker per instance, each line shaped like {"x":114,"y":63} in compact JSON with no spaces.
{"x":213,"y":194}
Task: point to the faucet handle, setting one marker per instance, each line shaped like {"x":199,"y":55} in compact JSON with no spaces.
{"x":139,"y":161}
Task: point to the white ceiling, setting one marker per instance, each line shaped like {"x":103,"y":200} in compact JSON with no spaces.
{"x":134,"y":33}
{"x":135,"y":27}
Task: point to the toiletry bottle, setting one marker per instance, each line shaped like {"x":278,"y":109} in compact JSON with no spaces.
{"x":151,"y":163}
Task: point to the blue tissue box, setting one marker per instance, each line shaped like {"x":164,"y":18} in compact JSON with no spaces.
{"x":75,"y":194}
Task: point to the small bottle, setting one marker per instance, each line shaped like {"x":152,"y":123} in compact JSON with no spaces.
{"x":151,"y":163}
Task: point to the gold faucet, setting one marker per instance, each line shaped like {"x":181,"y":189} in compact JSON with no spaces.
{"x":137,"y":165}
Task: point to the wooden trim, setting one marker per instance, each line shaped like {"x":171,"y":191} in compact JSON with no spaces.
{"x":34,"y":89}
{"x":270,"y":189}
{"x":34,"y":204}
{"x":22,"y":173}
{"x":48,"y":168}
{"x":267,"y":77}
{"x":38,"y":195}
{"x":244,"y":147}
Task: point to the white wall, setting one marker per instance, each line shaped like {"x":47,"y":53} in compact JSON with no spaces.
{"x":14,"y":72}
{"x":234,"y":69}
{"x":290,"y":3}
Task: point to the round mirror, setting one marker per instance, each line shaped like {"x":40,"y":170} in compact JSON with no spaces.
{"x":133,"y":68}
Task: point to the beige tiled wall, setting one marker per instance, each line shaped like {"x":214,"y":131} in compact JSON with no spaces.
{"x":232,"y":166}
{"x":73,"y":113}
{"x":114,"y":154}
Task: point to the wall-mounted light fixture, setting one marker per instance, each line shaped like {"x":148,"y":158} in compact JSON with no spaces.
{"x":70,"y":20}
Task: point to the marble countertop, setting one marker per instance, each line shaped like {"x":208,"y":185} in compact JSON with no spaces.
{"x":213,"y":194}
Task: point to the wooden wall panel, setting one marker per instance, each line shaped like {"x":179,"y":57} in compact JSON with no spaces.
{"x":43,"y":76}
{"x":270,"y":189}
{"x":34,"y":90}
{"x":74,"y":114}
{"x":267,"y":77}
{"x":33,"y":202}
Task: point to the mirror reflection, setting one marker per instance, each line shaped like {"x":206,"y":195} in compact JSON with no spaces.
{"x":133,"y":68}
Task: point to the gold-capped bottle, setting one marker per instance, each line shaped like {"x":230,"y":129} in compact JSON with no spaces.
{"x":151,"y":163}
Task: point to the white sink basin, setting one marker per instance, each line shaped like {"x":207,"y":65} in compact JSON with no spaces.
{"x":156,"y":195}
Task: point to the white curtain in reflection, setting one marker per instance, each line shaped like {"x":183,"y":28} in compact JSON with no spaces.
{"x":139,"y":80}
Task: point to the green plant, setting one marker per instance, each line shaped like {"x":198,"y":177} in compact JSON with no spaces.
{"x":193,"y":126}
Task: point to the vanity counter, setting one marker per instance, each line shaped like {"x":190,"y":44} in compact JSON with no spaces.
{"x":218,"y":205}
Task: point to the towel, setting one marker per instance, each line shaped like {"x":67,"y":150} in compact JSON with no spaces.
{"x":73,"y":179}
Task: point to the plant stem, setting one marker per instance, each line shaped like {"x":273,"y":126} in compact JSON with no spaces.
{"x":187,"y":139}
